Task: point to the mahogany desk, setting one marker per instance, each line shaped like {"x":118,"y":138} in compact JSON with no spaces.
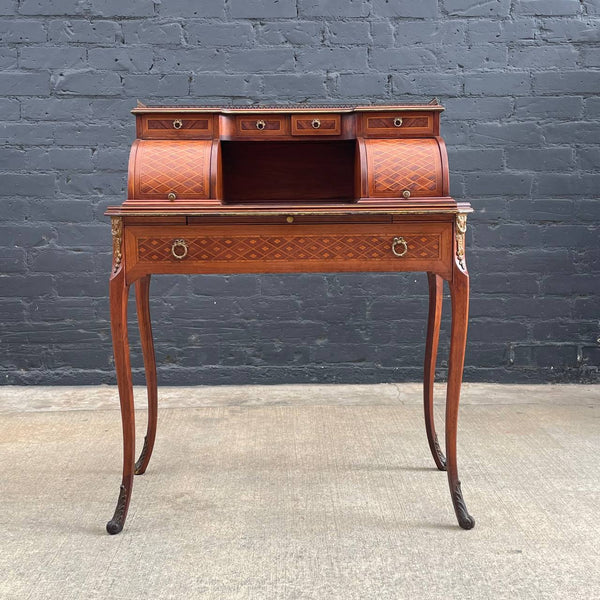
{"x":287,"y":190}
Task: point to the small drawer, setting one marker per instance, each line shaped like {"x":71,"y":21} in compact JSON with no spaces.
{"x":177,"y":127}
{"x":303,"y":248}
{"x":397,"y":124}
{"x":316,"y":124}
{"x":259,"y":126}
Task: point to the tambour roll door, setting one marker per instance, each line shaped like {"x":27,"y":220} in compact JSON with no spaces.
{"x":404,"y":168}
{"x":170,"y":170}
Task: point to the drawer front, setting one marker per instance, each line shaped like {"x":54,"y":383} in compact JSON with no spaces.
{"x":316,"y":124}
{"x":171,"y":170}
{"x":300,"y":248}
{"x":261,"y":126}
{"x":397,"y":124}
{"x":176,"y":127}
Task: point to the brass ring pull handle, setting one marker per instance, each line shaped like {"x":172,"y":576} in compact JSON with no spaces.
{"x":406,"y":193}
{"x":316,"y":123}
{"x":183,"y":249}
{"x":260,"y":124}
{"x":171,"y":196}
{"x":177,"y":124}
{"x":398,"y":122}
{"x":399,"y":241}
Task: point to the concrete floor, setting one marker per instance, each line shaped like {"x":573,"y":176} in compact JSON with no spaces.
{"x":301,"y":492}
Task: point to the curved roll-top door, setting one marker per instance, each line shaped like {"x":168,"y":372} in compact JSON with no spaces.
{"x":397,"y":166}
{"x":170,"y":170}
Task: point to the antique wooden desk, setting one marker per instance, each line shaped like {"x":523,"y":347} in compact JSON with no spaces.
{"x":280,"y":190}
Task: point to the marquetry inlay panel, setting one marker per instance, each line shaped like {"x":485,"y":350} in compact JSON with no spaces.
{"x":395,"y":166}
{"x":179,"y":167}
{"x":288,"y":248}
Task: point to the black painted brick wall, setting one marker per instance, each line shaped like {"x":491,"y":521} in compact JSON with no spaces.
{"x":520,"y":81}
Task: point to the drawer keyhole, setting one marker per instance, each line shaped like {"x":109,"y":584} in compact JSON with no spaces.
{"x":260,"y":124}
{"x":177,"y":124}
{"x":398,"y":122}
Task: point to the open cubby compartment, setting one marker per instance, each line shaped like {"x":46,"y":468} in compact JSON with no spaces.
{"x":288,"y":171}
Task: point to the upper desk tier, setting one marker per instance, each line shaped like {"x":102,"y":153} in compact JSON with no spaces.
{"x":198,"y":160}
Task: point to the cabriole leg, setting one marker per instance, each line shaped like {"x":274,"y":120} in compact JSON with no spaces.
{"x":459,"y":292}
{"x":142,"y":299}
{"x":433,"y":335}
{"x":119,"y":292}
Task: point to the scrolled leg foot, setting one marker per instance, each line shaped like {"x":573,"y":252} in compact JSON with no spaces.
{"x":438,"y":455}
{"x":140,"y":465}
{"x":465,"y":520}
{"x":115,"y":525}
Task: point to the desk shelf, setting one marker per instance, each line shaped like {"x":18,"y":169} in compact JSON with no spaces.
{"x":289,"y":171}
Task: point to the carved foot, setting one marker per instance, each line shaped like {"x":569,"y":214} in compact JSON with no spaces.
{"x":115,"y":525}
{"x":465,"y":520}
{"x":440,"y":459}
{"x":140,"y":467}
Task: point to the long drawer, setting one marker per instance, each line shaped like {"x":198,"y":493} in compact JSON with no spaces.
{"x":288,"y":248}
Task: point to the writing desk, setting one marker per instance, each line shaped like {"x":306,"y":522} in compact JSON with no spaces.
{"x":292,"y":189}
